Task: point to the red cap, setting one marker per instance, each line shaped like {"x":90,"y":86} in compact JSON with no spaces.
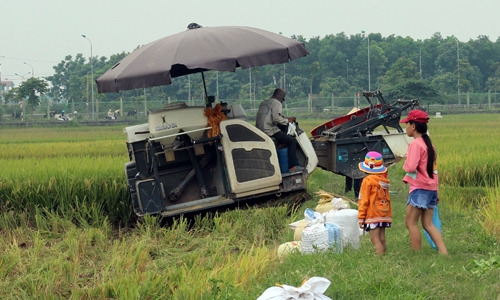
{"x":417,"y":116}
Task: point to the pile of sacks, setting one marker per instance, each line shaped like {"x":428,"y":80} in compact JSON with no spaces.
{"x":332,"y":226}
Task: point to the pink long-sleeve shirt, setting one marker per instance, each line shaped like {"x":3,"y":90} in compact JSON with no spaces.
{"x":416,"y":167}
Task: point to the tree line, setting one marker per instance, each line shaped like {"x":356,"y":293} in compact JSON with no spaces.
{"x":401,"y":67}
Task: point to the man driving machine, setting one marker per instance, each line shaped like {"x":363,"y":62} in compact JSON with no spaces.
{"x":269,"y":117}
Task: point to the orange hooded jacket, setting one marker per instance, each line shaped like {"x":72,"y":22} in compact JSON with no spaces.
{"x":374,"y":200}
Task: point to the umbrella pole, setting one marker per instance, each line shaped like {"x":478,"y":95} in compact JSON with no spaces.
{"x":205,"y":87}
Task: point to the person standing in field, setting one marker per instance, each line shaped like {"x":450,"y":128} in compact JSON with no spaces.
{"x":374,"y":211}
{"x":421,"y":168}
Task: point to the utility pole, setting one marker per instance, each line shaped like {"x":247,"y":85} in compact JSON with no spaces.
{"x":420,"y":57}
{"x":92,"y":74}
{"x":369,"y":81}
{"x":250,"y":91}
{"x":87,"y":103}
{"x":284,"y":77}
{"x":458,"y":71}
{"x":145,"y":105}
{"x":347,"y":77}
{"x":32,"y":71}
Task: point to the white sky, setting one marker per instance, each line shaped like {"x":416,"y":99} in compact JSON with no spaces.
{"x":43,"y":32}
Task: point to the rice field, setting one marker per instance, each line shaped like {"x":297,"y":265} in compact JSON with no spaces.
{"x":57,"y":168}
{"x":468,"y":157}
{"x":65,"y":228}
{"x":52,"y":167}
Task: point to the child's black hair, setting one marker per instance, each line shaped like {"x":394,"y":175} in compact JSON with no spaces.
{"x":422,"y":128}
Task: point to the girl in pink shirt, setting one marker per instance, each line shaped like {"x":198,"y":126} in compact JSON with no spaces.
{"x":422,"y":176}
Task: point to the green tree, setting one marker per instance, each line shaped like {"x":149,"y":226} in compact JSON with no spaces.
{"x":484,"y":54}
{"x":378,"y":60}
{"x":470,"y":77}
{"x":403,"y":69}
{"x":445,"y":83}
{"x":11,"y":96}
{"x":298,"y":87}
{"x":334,"y":86}
{"x":420,"y":89}
{"x":437,"y":54}
{"x":31,"y":90}
{"x":493,"y":82}
{"x":402,"y":81}
{"x":267,"y":91}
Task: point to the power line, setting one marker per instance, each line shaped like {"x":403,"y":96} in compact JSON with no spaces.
{"x":37,"y":75}
{"x":24,"y":59}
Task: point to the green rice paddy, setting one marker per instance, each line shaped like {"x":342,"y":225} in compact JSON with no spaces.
{"x":65,"y":228}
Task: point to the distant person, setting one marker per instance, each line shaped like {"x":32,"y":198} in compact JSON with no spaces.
{"x":421,"y":168}
{"x":110,"y":114}
{"x":269,"y":117}
{"x":349,"y":185}
{"x":374,"y":210}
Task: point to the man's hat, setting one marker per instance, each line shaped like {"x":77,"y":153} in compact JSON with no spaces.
{"x":373,"y":163}
{"x":279,"y":94}
{"x":417,"y":116}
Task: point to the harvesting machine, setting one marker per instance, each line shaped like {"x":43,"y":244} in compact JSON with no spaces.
{"x":177,"y":167}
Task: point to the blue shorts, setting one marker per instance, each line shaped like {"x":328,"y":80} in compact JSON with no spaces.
{"x":422,"y":199}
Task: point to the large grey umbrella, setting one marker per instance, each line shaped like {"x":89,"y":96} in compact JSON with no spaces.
{"x":199,"y":49}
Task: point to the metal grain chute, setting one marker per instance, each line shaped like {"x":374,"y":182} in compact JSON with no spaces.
{"x":343,"y":142}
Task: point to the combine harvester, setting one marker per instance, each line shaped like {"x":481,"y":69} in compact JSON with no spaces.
{"x":175,"y":168}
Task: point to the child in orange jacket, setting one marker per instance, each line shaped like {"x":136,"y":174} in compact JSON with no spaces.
{"x":374,"y":211}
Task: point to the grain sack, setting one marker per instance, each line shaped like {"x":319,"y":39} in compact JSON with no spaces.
{"x":297,"y":235}
{"x":311,"y":289}
{"x":329,"y":201}
{"x":321,"y":208}
{"x":335,"y":203}
{"x":312,"y":217}
{"x":287,"y":248}
{"x":340,"y":203}
{"x":347,"y":219}
{"x":294,"y":225}
{"x":334,"y":237}
{"x":314,"y":239}
{"x":324,"y":203}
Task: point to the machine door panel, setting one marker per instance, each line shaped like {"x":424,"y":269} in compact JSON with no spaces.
{"x":251,"y":158}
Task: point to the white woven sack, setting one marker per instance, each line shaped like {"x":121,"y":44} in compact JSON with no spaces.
{"x":294,"y":225}
{"x":339,"y":203}
{"x":315,"y":239}
{"x":312,"y":289}
{"x":312,"y":217}
{"x":347,"y":219}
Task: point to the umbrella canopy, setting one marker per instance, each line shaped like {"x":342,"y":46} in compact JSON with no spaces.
{"x":199,"y":49}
